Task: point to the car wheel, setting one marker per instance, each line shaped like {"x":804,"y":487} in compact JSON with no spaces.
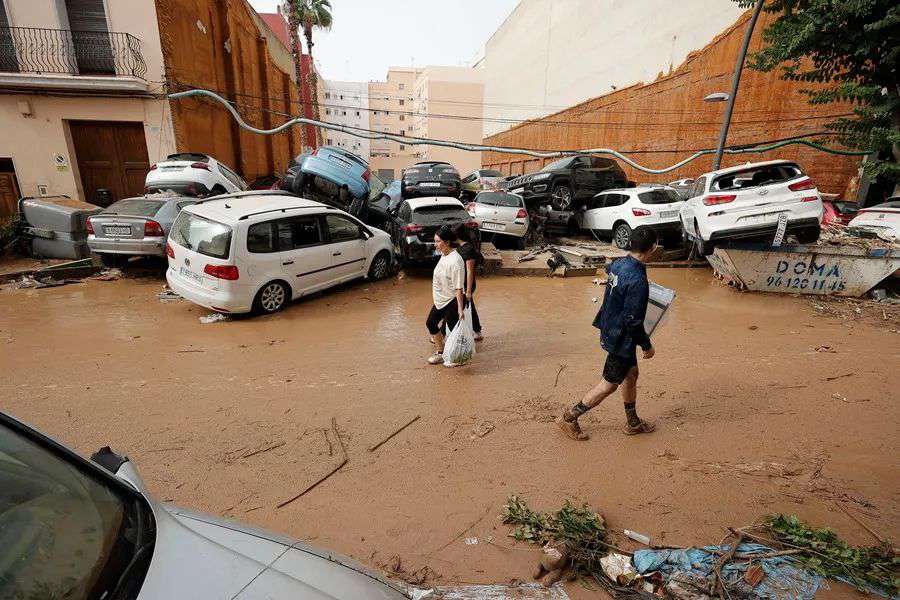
{"x":217,"y":190}
{"x":520,"y":243}
{"x":113,"y":261}
{"x":272,"y":297}
{"x":622,"y":236}
{"x":703,"y":248}
{"x":810,"y":235}
{"x":561,"y":196}
{"x":381,"y":266}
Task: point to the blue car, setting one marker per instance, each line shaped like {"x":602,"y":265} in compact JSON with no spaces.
{"x":335,"y":177}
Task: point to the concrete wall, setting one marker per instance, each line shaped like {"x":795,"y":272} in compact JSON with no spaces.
{"x":667,"y":120}
{"x":551,"y":54}
{"x":346,"y":103}
{"x":32,"y":141}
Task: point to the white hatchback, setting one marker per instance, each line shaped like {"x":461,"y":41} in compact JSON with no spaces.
{"x":193,"y":174}
{"x":882,"y":219}
{"x":256,"y":251}
{"x":747,"y":202}
{"x":618,"y":213}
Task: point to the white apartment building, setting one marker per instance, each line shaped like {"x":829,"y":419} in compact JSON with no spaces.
{"x":553,"y":54}
{"x":346,"y":103}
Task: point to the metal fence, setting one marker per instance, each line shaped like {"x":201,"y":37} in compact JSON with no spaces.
{"x":63,"y":51}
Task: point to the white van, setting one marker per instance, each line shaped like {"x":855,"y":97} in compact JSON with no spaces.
{"x":256,"y":251}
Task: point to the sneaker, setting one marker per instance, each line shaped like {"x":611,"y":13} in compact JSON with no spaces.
{"x":436,"y":359}
{"x":478,"y":336}
{"x":571,"y":428}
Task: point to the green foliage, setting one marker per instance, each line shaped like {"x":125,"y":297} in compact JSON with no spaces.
{"x":310,"y":13}
{"x":580,"y":529}
{"x":850,"y":48}
{"x":865,"y":567}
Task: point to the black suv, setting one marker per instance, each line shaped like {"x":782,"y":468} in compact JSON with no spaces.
{"x":416,"y":220}
{"x":565,"y":182}
{"x":430,"y":178}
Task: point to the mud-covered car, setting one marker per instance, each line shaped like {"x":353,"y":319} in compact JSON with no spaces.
{"x":565,"y":182}
{"x":430,"y":178}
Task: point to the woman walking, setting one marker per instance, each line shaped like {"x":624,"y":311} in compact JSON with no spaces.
{"x":447,"y":285}
{"x":470,"y":251}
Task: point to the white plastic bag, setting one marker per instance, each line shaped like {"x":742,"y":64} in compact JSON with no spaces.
{"x":459,"y":348}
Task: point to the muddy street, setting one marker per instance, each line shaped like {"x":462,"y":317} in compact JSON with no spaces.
{"x":233,"y":417}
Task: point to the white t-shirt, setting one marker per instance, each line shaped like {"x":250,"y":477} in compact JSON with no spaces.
{"x":449,"y":276}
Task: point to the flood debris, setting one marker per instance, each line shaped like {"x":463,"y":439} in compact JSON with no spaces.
{"x":108,"y":275}
{"x":213,"y":318}
{"x":327,"y":475}
{"x":33,"y":282}
{"x":167,"y":295}
{"x":382,"y":442}
{"x":528,"y":591}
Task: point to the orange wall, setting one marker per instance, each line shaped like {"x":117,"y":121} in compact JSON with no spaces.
{"x":670,"y":114}
{"x":199,"y":57}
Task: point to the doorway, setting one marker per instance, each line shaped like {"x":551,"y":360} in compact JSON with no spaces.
{"x":112,"y":159}
{"x":9,"y":189}
{"x":90,"y":37}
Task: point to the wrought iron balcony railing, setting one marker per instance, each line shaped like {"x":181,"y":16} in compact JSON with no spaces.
{"x":62,"y":51}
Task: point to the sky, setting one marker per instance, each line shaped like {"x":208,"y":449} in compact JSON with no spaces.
{"x":369,"y":36}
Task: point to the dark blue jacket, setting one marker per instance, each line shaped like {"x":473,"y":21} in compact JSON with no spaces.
{"x":621,"y":318}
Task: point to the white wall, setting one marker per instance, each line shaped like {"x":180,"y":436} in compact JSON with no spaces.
{"x":552,"y":54}
{"x":352,"y":98}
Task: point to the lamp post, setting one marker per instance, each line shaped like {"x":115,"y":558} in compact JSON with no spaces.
{"x":735,"y":81}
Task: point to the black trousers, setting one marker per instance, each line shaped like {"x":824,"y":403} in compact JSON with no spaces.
{"x":439,"y":319}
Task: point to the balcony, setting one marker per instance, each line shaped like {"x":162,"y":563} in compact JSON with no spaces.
{"x":38,"y":58}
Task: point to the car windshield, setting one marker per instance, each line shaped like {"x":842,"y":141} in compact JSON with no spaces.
{"x":560,"y":164}
{"x":201,"y":235}
{"x":63,"y":533}
{"x":659,"y":197}
{"x":135,"y":207}
{"x":499,"y":199}
{"x":376,"y":186}
{"x":438,"y":215}
{"x":490,"y":173}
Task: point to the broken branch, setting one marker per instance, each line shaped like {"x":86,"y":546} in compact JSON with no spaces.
{"x":310,"y":488}
{"x":861,"y":524}
{"x":379,"y":444}
{"x":718,"y":586}
{"x":266,"y":449}
{"x":561,"y":369}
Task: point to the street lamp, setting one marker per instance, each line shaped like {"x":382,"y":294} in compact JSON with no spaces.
{"x":735,"y":81}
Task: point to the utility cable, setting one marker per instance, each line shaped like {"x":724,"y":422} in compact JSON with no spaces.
{"x":358,"y":132}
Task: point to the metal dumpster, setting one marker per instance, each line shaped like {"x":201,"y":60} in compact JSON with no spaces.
{"x":822,"y":270}
{"x":57,"y":226}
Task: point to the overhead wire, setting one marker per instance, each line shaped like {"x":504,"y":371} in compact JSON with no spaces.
{"x":373,"y":135}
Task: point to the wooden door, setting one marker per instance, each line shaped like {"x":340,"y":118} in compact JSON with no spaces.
{"x":112,"y":156}
{"x":90,"y":37}
{"x":9,"y":194}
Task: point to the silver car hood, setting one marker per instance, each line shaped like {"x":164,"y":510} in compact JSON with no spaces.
{"x":200,"y":556}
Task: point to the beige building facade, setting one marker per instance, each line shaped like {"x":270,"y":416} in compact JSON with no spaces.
{"x":552,"y":54}
{"x":430,"y":102}
{"x":79,"y":84}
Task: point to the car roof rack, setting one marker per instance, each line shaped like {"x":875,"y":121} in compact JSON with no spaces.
{"x":247,"y":193}
{"x":283,"y":209}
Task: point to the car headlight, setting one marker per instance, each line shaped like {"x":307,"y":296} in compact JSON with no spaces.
{"x":541,"y":176}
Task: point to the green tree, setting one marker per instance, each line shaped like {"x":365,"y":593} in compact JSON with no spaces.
{"x":309,"y":14}
{"x":852,"y":49}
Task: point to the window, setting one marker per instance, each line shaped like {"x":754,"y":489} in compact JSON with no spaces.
{"x":201,"y":235}
{"x":756,"y":177}
{"x":342,"y":229}
{"x":342,"y":96}
{"x":402,"y":117}
{"x":402,"y":147}
{"x":402,"y":132}
{"x":614,"y":200}
{"x":699,"y":188}
{"x":298,"y":232}
{"x":343,"y":113}
{"x":405,"y":213}
{"x":387,"y":113}
{"x":327,"y":95}
{"x":261,"y":238}
{"x":470,"y":178}
{"x":330,"y":142}
{"x":232,"y":177}
{"x":327,"y":111}
{"x":401,"y":86}
{"x":402,"y":102}
{"x":137,"y":207}
{"x":659,"y":197}
{"x":490,"y":173}
{"x":357,"y":113}
{"x":376,"y":113}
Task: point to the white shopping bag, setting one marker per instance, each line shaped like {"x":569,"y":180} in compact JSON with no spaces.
{"x":459,"y":348}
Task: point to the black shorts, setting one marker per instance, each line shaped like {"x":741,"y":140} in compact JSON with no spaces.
{"x":442,"y":319}
{"x":617,"y":367}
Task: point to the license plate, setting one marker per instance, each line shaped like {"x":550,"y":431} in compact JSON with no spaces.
{"x":516,"y":190}
{"x":430,"y":184}
{"x":117,"y":230}
{"x":757,"y":219}
{"x":340,"y":161}
{"x":493,"y":226}
{"x":666,"y":214}
{"x":190,"y":275}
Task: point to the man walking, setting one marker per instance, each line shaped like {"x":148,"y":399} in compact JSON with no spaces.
{"x":621,"y":324}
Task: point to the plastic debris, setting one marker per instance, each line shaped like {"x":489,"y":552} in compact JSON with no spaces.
{"x":167,"y":295}
{"x":689,"y":572}
{"x":471,"y":541}
{"x":108,"y":275}
{"x":213,"y":318}
{"x":638,"y":537}
{"x":529,"y":591}
{"x":618,"y":568}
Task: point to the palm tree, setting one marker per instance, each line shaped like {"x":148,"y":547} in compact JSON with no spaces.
{"x":309,"y":14}
{"x":293,"y":28}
